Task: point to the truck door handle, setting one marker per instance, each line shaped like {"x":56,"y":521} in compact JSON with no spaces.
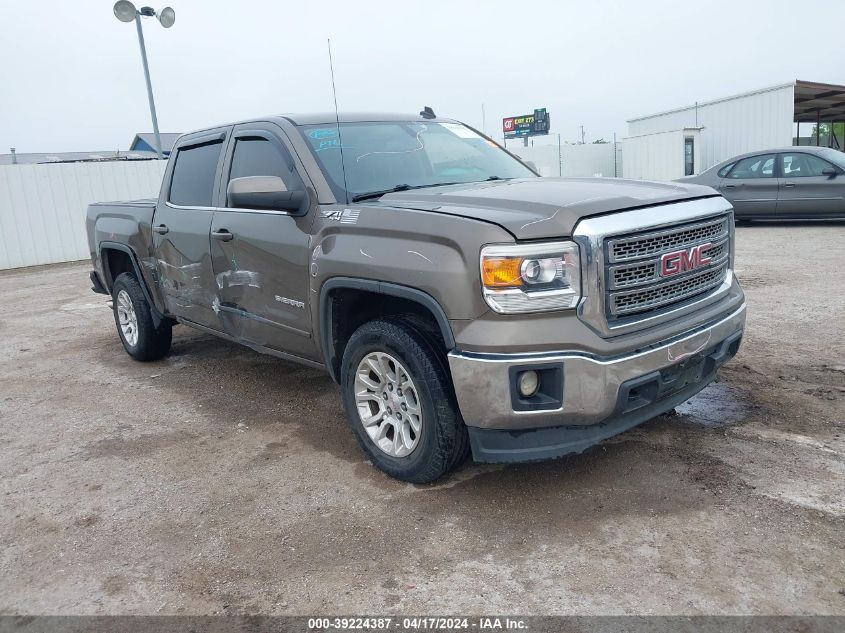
{"x":161,"y":229}
{"x":223,"y":235}
{"x":730,"y":186}
{"x":788,"y":184}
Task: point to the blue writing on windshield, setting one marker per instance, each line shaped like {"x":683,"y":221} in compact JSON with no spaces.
{"x":321,"y":133}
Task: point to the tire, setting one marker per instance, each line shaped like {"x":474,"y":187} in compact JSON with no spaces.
{"x":141,"y":339}
{"x":441,"y":441}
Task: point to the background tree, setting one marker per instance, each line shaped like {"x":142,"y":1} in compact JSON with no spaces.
{"x":825,"y":131}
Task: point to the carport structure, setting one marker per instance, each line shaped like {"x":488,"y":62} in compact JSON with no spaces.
{"x":818,"y":103}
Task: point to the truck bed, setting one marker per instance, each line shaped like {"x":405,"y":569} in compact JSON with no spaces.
{"x":124,"y":222}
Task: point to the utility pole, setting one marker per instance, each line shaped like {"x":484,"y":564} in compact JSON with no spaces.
{"x":559,"y":158}
{"x":615,"y":168}
{"x":582,"y":135}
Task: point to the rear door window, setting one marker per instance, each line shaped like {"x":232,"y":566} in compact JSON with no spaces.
{"x":754,"y":167}
{"x":192,"y":183}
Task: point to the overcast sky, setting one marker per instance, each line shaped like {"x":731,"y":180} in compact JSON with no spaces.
{"x":71,"y":74}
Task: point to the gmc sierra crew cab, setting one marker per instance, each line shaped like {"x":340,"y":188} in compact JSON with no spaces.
{"x":461,"y":301}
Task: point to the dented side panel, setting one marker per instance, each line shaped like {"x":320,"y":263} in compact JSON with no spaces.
{"x":127,"y":223}
{"x":183,"y":264}
{"x":261,"y":279}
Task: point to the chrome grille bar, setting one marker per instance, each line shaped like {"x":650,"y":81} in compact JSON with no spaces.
{"x":640,"y":300}
{"x":632,"y":247}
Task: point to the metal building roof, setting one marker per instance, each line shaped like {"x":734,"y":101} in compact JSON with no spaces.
{"x":73,"y":157}
{"x":168,"y":139}
{"x":813,"y":101}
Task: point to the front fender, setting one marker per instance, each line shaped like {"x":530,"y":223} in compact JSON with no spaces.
{"x":420,"y":256}
{"x":434,"y":253}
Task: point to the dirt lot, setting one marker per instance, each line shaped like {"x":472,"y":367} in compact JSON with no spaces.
{"x":223,"y":481}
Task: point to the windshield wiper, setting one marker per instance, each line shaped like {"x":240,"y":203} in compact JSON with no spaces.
{"x":378,"y":194}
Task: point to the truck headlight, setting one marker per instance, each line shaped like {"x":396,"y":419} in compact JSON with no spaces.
{"x":519,"y":278}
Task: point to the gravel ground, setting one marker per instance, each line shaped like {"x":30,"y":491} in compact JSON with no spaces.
{"x":222,"y":481}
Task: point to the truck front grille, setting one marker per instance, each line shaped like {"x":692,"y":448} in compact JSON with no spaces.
{"x":632,"y":267}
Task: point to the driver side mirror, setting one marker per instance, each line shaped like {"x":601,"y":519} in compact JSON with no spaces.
{"x":264,"y":193}
{"x":830,"y":172}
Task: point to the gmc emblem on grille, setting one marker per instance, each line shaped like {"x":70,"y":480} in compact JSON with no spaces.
{"x":685,"y":260}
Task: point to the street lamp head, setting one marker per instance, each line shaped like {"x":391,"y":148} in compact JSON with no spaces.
{"x":124,"y":10}
{"x":167,"y":17}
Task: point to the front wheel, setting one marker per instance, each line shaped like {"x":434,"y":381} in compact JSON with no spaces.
{"x":399,"y":402}
{"x":141,"y":338}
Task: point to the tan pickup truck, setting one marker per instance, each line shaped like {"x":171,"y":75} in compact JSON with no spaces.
{"x":460,"y":301}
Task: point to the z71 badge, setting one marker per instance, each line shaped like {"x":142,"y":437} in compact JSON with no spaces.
{"x":344,"y":216}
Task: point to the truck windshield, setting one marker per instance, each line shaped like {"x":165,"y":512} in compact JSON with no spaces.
{"x":384,"y":155}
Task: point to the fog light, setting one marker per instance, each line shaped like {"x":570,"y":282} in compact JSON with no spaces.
{"x":529,"y":383}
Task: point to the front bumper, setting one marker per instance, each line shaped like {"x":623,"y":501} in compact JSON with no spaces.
{"x":600,"y":397}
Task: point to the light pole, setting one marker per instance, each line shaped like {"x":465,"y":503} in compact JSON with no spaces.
{"x":125,"y":11}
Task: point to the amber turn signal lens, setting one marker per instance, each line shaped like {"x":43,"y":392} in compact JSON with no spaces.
{"x":501,"y":272}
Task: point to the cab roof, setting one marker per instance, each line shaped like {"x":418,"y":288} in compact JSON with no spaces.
{"x":325,"y":118}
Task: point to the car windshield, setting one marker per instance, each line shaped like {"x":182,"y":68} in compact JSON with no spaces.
{"x":834,"y":156}
{"x":379,"y":156}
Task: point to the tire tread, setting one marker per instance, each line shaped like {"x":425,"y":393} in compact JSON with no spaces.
{"x":153,"y":342}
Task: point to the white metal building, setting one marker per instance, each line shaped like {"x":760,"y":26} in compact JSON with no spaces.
{"x":574,"y":161}
{"x":42,"y":207}
{"x":689,"y":140}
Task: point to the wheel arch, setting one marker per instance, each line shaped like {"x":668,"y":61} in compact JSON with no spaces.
{"x":333,"y":338}
{"x":127,"y":261}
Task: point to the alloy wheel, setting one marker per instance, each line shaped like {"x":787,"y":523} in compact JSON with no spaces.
{"x":388,"y":404}
{"x":127,"y":318}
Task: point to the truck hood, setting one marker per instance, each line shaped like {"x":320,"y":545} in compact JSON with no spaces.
{"x":534,"y":208}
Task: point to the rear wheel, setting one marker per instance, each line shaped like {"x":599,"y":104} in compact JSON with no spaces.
{"x":141,"y":338}
{"x":399,"y":402}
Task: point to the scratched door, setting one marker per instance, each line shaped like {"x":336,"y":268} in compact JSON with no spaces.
{"x":260,"y":257}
